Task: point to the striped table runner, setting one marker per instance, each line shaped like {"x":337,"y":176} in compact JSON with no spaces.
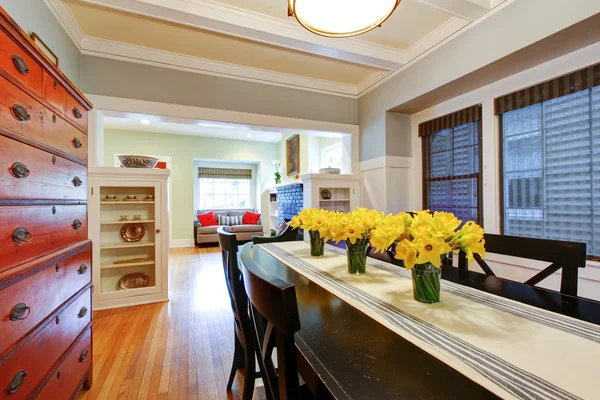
{"x":514,"y":350}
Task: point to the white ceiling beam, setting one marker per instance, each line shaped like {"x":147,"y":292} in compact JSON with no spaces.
{"x":245,"y":24}
{"x":468,"y":10}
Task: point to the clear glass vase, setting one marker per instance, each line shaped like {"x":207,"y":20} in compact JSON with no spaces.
{"x":317,"y":244}
{"x":357,"y":256}
{"x":426,"y":279}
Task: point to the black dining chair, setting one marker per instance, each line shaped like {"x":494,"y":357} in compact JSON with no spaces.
{"x":568,"y":256}
{"x":288,"y":235}
{"x":274,"y":301}
{"x":244,"y":350}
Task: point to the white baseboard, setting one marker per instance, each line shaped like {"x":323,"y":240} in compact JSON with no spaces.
{"x":182,"y":243}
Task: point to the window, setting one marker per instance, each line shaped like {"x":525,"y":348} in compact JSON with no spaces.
{"x":224,"y":188}
{"x":331,"y":156}
{"x":452,"y":164}
{"x":551,"y":160}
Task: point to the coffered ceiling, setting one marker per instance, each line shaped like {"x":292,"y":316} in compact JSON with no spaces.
{"x":256,"y":40}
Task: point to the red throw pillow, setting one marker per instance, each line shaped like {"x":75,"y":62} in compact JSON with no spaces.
{"x":251,"y":218}
{"x":208,"y":219}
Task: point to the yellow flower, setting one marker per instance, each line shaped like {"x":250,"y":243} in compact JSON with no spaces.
{"x":354,"y":232}
{"x":444,"y":224}
{"x":406,"y":251}
{"x":430,"y":249}
{"x":476,"y":248}
{"x":380,"y":240}
{"x":296,"y":222}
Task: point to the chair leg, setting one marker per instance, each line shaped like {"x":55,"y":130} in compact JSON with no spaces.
{"x":238,"y":360}
{"x":249,"y":376}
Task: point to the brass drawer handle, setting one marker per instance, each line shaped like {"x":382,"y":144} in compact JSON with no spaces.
{"x":82,"y":312}
{"x":20,"y":113}
{"x":83,"y":355}
{"x":20,"y":312}
{"x":19,"y":170}
{"x":20,"y":64}
{"x":21,"y":235}
{"x":77,"y":143}
{"x":16,"y":382}
{"x":77,"y":113}
{"x":82,"y":269}
{"x":77,"y":181}
{"x":77,"y":224}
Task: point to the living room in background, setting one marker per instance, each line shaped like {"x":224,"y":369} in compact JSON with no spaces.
{"x":451,"y":147}
{"x":550,"y":163}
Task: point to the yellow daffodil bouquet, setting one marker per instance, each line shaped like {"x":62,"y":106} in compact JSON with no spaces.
{"x":355,"y":228}
{"x":421,"y":242}
{"x":317,"y":223}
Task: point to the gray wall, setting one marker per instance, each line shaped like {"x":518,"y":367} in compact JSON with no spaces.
{"x":35,"y":16}
{"x":116,"y":78}
{"x":521,"y":23}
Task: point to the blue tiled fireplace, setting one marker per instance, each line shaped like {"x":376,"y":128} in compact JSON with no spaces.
{"x":290,"y":199}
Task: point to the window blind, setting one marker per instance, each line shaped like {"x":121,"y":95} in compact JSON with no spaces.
{"x":224,"y":173}
{"x":551,"y":161}
{"x":452,"y":164}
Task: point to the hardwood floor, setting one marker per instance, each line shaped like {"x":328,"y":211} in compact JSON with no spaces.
{"x":177,"y":350}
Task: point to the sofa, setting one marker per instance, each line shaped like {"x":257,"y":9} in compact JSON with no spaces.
{"x":208,"y":234}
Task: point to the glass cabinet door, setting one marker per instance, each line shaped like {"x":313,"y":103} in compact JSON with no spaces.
{"x":129,"y":246}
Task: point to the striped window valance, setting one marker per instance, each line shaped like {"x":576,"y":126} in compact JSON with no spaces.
{"x":457,"y":118}
{"x":224,"y":173}
{"x":568,"y":84}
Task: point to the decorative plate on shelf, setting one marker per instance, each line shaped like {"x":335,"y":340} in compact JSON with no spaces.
{"x":133,"y":232}
{"x":325,"y":194}
{"x":133,"y":281}
{"x":330,"y":170}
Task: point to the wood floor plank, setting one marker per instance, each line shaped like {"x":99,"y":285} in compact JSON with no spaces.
{"x":181,"y":350}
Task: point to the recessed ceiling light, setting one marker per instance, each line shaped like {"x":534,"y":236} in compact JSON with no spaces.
{"x":249,"y":135}
{"x":145,"y":121}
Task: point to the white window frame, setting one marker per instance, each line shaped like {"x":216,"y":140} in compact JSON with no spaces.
{"x":208,"y":164}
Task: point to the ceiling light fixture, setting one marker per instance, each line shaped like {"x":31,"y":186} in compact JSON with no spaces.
{"x":341,"y":18}
{"x":145,"y":121}
{"x":249,"y":135}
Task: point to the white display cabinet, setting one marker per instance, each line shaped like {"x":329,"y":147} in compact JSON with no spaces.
{"x":331,"y":191}
{"x":115,"y":257}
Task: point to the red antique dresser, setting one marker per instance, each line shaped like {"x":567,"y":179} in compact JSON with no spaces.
{"x":45,"y":255}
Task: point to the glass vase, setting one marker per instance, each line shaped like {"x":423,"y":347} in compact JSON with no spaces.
{"x":426,"y":279}
{"x":357,"y":256}
{"x":317,"y":244}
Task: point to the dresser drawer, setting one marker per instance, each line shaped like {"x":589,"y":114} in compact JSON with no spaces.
{"x":28,"y":232}
{"x":76,"y":113}
{"x":30,"y":173}
{"x":20,"y":113}
{"x":26,"y":303}
{"x":31,"y":360}
{"x":15,"y":61}
{"x":67,"y":378}
{"x":54,"y":92}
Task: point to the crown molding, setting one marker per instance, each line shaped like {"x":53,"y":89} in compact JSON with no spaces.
{"x":62,"y":13}
{"x":233,"y":21}
{"x":442,"y":42}
{"x":143,"y":55}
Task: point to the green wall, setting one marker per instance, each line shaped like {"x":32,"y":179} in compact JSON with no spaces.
{"x":184,"y":150}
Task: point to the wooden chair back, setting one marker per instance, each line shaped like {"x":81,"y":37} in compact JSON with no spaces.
{"x":273,"y":301}
{"x":568,"y":256}
{"x":235,"y":285}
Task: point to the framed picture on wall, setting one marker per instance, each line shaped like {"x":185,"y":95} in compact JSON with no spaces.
{"x":44,"y":48}
{"x":292,"y":147}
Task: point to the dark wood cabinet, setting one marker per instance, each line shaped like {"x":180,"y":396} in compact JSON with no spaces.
{"x":45,"y":254}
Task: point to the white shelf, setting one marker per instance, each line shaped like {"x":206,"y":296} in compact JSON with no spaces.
{"x":127,"y":202}
{"x":133,"y":221}
{"x":335,"y":200}
{"x":126,"y":265}
{"x":124,"y":245}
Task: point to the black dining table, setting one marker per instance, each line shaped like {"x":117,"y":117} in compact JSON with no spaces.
{"x":358,"y":358}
